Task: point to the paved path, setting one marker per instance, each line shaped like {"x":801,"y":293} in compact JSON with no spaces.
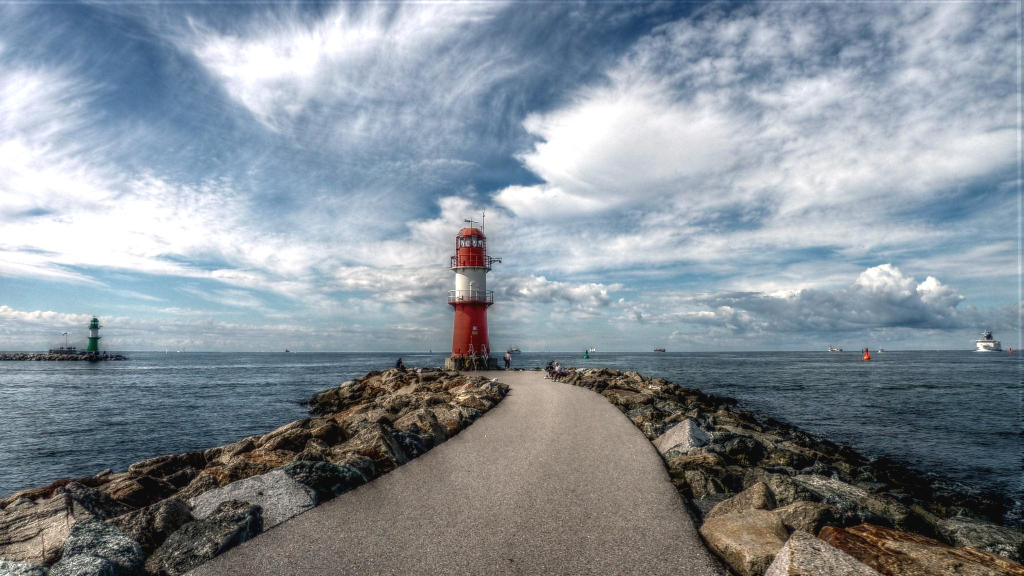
{"x":554,"y":480}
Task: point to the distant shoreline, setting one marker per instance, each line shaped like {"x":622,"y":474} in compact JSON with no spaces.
{"x":50,"y":357}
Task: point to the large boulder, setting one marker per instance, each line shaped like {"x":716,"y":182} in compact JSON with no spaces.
{"x":231,"y":523}
{"x":152,"y":525}
{"x":422,"y":422}
{"x":747,"y":540}
{"x":162,"y":466}
{"x":757,"y":497}
{"x":11,"y":568}
{"x":681,"y":439}
{"x":85,"y":565}
{"x":325,"y":479}
{"x":140,"y":491}
{"x":806,"y":516}
{"x":805,"y":555}
{"x":101,"y":540}
{"x":278,"y":495}
{"x":963,"y":531}
{"x":649,"y":419}
{"x":35,"y":532}
{"x":895,"y":552}
{"x":625,"y":400}
{"x":376,"y":442}
{"x":855,"y":503}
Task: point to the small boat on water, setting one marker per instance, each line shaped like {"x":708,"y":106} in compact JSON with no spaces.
{"x":514,"y":350}
{"x":591,"y":350}
{"x":834,"y":349}
{"x":659,"y":349}
{"x":987,"y":344}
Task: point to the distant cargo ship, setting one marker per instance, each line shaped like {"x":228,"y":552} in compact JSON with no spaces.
{"x":659,"y":349}
{"x":987,"y":344}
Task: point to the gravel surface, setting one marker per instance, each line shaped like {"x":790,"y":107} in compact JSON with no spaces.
{"x":554,"y":480}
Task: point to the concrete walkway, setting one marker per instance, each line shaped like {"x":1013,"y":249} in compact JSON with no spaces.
{"x":554,"y":480}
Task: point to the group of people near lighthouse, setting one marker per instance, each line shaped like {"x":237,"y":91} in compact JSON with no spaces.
{"x":554,"y":369}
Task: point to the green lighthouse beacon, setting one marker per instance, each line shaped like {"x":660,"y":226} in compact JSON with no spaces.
{"x":94,"y":337}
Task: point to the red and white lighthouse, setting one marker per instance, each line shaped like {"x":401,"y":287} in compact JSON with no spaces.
{"x":471,"y":299}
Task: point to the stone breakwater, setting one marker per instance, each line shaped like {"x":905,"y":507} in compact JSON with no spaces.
{"x":53,"y":357}
{"x":773,"y":500}
{"x":166,"y":515}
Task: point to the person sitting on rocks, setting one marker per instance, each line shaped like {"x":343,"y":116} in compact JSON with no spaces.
{"x":399,"y":365}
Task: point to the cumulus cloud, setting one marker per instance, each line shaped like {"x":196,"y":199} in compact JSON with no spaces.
{"x":540,"y":290}
{"x":754,"y":131}
{"x":882,"y":297}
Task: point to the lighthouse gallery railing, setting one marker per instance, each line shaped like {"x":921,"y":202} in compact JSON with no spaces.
{"x":473,"y":261}
{"x":486,"y":296}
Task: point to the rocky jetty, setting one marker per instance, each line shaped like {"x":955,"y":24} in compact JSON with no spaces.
{"x":166,"y":515}
{"x":55,"y":356}
{"x":760,"y":490}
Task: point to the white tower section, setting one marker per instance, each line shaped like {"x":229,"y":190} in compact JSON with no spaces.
{"x":470,"y":284}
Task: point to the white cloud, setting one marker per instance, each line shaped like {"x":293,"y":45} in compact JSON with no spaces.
{"x":881,"y":297}
{"x":282,"y":63}
{"x":748,"y":133}
{"x":395,"y":285}
{"x":886,"y":279}
{"x":540,"y":290}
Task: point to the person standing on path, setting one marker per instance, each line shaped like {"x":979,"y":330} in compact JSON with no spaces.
{"x":508,"y":359}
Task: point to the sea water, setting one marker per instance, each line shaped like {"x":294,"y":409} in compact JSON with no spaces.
{"x":954,"y":415}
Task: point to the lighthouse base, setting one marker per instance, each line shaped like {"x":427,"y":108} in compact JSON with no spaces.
{"x":470,"y":363}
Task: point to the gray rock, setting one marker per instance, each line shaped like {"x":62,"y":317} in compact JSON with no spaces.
{"x":278,"y":495}
{"x":744,"y":450}
{"x":152,"y":525}
{"x":35,"y":532}
{"x":807,"y":516}
{"x":99,"y":539}
{"x":10,"y":568}
{"x":785,"y":489}
{"x":856,"y":504}
{"x":162,"y":466}
{"x":757,"y":497}
{"x":682,"y":438}
{"x":93,"y":501}
{"x":230,"y":524}
{"x":747,"y":540}
{"x":805,"y":555}
{"x":84,"y":565}
{"x":701,"y":484}
{"x":963,"y":531}
{"x":327,"y":480}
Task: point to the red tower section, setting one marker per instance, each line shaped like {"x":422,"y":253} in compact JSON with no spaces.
{"x":470,"y":299}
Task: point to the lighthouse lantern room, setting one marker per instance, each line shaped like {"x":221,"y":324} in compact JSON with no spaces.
{"x":470,"y":299}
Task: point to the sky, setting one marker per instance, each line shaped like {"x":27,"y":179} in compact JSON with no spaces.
{"x":235,"y":176}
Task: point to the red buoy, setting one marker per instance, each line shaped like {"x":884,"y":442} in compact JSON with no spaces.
{"x":867,"y":355}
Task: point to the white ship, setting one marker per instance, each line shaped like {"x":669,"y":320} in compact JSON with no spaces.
{"x":987,"y":344}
